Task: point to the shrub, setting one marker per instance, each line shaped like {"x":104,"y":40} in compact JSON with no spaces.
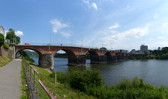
{"x":90,"y":82}
{"x":82,"y":80}
{"x":6,"y":46}
{"x":2,"y":39}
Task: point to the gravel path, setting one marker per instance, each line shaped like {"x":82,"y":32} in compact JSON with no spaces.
{"x":10,"y":80}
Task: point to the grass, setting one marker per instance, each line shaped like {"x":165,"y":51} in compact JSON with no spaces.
{"x":25,"y":91}
{"x":60,"y":90}
{"x":4,"y":60}
{"x":136,"y":89}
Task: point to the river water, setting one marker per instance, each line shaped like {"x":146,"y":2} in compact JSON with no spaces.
{"x":152,"y":71}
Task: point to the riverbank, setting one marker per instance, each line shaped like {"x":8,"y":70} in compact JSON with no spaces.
{"x":90,"y":83}
{"x":4,"y":60}
{"x":59,"y":90}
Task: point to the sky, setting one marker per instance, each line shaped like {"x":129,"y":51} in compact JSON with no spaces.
{"x":114,"y":24}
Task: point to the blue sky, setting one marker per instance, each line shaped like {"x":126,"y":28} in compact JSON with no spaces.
{"x":115,"y":24}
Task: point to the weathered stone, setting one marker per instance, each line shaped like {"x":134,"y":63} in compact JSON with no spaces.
{"x":80,"y":60}
{"x":47,"y":61}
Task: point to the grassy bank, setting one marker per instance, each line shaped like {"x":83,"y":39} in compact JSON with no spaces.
{"x":60,"y":90}
{"x":4,"y":60}
{"x":25,"y":91}
{"x":90,"y":83}
{"x":24,"y":88}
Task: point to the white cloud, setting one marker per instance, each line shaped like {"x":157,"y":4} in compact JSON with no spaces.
{"x":114,"y":26}
{"x":94,"y":5}
{"x":91,"y":5}
{"x":19,"y":33}
{"x":58,"y":25}
{"x":65,"y":34}
{"x":128,"y":34}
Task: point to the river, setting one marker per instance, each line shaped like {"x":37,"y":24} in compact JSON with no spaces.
{"x":152,"y":71}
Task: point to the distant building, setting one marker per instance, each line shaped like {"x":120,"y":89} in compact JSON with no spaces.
{"x":133,"y":51}
{"x":2,"y":30}
{"x":121,"y":50}
{"x":144,"y":48}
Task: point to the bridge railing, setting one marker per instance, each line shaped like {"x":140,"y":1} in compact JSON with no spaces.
{"x":59,"y":44}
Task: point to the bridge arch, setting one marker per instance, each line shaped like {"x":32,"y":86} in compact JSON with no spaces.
{"x":73,"y":58}
{"x":17,"y":50}
{"x":70,"y":53}
{"x":94,"y":57}
{"x":38,"y":52}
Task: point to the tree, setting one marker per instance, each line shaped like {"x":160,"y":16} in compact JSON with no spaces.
{"x":2,"y":39}
{"x":103,"y":48}
{"x":164,"y":50}
{"x":12,"y":36}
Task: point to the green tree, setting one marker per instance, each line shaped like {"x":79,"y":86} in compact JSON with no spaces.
{"x":2,"y":39}
{"x":12,"y":36}
{"x":164,"y":50}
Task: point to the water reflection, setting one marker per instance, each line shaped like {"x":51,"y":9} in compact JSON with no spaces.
{"x":152,"y":71}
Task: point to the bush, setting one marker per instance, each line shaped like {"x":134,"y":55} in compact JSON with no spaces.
{"x":80,"y":80}
{"x":6,"y":46}
{"x":90,"y":82}
{"x":2,"y":39}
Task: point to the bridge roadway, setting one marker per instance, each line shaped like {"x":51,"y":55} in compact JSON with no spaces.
{"x":76,"y":55}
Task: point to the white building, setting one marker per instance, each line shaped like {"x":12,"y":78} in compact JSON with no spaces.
{"x":2,"y":30}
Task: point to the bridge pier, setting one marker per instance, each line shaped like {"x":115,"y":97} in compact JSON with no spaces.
{"x":79,"y":60}
{"x":111,"y":58}
{"x":46,"y":61}
{"x":120,"y":58}
{"x":98,"y":59}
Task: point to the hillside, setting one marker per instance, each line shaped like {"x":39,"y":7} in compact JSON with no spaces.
{"x":4,"y":60}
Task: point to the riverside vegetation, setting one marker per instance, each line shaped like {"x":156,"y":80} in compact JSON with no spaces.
{"x":59,"y":90}
{"x":91,"y":83}
{"x":155,"y":54}
{"x":88,"y":84}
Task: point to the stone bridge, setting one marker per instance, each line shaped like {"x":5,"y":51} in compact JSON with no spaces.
{"x":76,"y":55}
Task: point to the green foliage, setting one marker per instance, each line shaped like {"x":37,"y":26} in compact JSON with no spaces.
{"x":2,"y":39}
{"x":25,"y":91}
{"x":31,"y":54}
{"x":29,"y":59}
{"x":61,"y":91}
{"x":12,"y":36}
{"x":81,"y":80}
{"x":6,"y":46}
{"x":26,"y":57}
{"x":90,"y":83}
{"x":61,"y":55}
